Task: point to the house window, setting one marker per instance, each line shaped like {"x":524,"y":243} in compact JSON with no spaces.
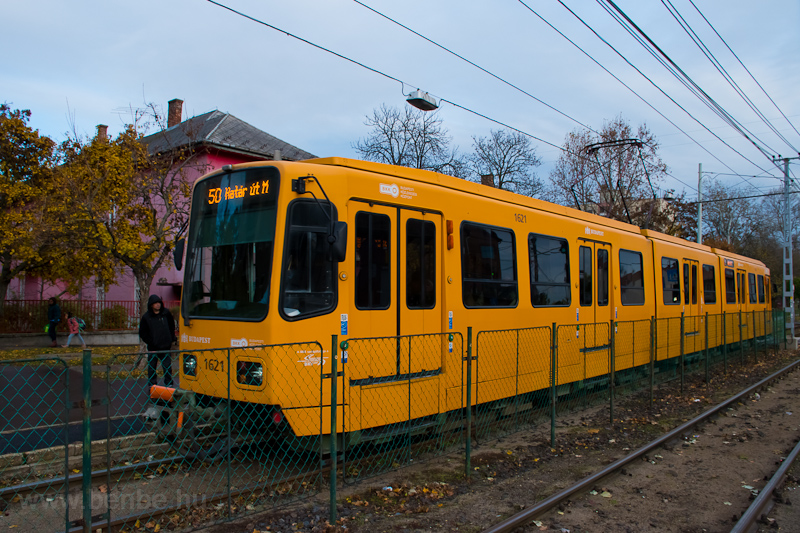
{"x":488,"y":266}
{"x":549,"y":265}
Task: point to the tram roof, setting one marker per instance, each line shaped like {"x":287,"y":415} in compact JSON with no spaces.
{"x":450,"y":182}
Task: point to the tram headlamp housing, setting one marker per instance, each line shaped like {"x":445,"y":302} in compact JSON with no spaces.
{"x":189,"y":365}
{"x":250,"y":373}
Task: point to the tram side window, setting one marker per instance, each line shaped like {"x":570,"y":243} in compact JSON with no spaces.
{"x":694,"y":284}
{"x":373,"y":270}
{"x":762,"y":298}
{"x":670,"y":281}
{"x":751,"y":285}
{"x":549,"y":264}
{"x":709,"y":284}
{"x":420,"y":264}
{"x":631,"y":278}
{"x":585,"y":271}
{"x":309,"y":276}
{"x":488,"y":266}
{"x":730,"y":286}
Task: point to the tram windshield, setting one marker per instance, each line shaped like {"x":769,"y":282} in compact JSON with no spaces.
{"x":230,"y":245}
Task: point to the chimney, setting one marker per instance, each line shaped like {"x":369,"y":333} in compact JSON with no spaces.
{"x":175,"y":113}
{"x":102,"y":132}
{"x":487,"y":179}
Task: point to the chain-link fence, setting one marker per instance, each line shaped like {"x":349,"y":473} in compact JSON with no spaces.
{"x":403,"y":398}
{"x":234,"y":431}
{"x":37,"y":458}
{"x":512,"y":375}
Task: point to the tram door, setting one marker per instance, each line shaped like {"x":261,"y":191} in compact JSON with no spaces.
{"x":742,"y":298}
{"x":694,"y":324}
{"x":595,"y":308}
{"x":397,"y":297}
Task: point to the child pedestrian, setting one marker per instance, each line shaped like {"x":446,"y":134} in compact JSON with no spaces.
{"x":74,"y":329}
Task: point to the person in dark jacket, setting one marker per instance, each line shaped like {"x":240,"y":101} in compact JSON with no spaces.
{"x":53,"y":318}
{"x":157,"y":330}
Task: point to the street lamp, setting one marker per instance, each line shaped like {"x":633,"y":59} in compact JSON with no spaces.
{"x":422,"y":100}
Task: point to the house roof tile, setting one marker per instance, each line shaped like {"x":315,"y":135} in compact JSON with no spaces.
{"x":225,"y":132}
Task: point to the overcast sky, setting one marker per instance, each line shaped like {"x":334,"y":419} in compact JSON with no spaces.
{"x":89,"y":62}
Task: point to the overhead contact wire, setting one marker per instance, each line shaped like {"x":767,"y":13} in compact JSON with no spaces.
{"x":495,"y":76}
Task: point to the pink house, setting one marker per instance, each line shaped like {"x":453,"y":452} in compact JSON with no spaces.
{"x":215,"y":139}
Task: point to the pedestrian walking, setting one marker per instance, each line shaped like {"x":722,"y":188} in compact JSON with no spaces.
{"x":53,"y":318}
{"x":74,"y":329}
{"x":157,"y":331}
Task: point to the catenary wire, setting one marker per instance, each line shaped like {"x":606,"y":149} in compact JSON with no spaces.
{"x":626,"y":22}
{"x":640,"y":97}
{"x":476,"y":66}
{"x":659,"y":89}
{"x":684,"y":24}
{"x":744,"y":67}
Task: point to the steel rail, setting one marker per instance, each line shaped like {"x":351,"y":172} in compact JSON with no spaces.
{"x":753,"y":512}
{"x":527,"y":515}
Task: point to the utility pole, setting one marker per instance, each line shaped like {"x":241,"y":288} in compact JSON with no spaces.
{"x":788,"y":267}
{"x":699,"y":204}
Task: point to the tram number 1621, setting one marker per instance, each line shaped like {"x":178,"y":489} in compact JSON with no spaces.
{"x":215,"y":365}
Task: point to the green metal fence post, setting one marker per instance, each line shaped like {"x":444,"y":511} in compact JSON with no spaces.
{"x":725,"y":341}
{"x":87,"y":443}
{"x":612,"y":360}
{"x":755,"y":337}
{"x":229,"y":437}
{"x":706,"y":350}
{"x":683,"y":330}
{"x":468,"y":458}
{"x":741,"y":339}
{"x":334,"y":401}
{"x":553,"y":381}
{"x":653,"y":334}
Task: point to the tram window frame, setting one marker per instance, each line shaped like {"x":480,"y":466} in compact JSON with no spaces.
{"x":631,"y":293}
{"x":499,"y":286}
{"x":550,"y":270}
{"x":762,"y":296}
{"x":751,"y":286}
{"x":602,"y":280}
{"x":372,"y":272}
{"x":300,"y":224}
{"x":740,"y":286}
{"x":421,"y":268}
{"x":669,"y":264}
{"x":686,"y":283}
{"x":585,"y":287}
{"x":709,"y":284}
{"x":730,"y":286}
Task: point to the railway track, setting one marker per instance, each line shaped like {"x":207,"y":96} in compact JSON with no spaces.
{"x":615,"y":494}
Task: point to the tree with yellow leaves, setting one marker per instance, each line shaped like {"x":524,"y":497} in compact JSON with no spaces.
{"x":127,"y":205}
{"x":29,"y":226}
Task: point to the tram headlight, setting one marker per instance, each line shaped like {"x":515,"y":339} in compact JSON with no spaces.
{"x":189,"y":365}
{"x":250,"y":373}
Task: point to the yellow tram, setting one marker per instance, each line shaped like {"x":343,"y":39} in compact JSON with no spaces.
{"x":282,"y":252}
